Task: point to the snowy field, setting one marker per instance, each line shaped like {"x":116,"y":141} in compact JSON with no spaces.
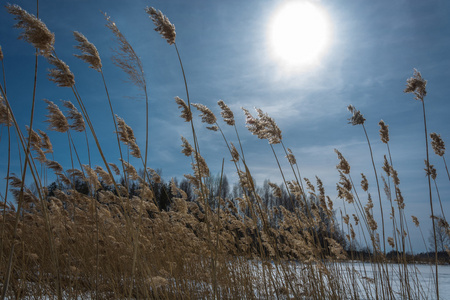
{"x":425,"y":275}
{"x":421,"y":279}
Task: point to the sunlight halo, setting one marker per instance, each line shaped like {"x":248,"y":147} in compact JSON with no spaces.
{"x":299,"y":33}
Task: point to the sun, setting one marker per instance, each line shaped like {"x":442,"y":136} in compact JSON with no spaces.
{"x":299,"y":33}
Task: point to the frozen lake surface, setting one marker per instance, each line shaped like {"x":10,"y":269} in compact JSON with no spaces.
{"x":424,"y":274}
{"x":421,"y":279}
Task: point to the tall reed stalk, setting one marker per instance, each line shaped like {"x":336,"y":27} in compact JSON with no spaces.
{"x":358,"y":119}
{"x":417,"y":86}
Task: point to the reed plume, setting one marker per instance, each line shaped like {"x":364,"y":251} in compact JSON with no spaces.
{"x":271,"y":132}
{"x":430,"y":170}
{"x":35,"y":143}
{"x":46,"y":144}
{"x":131,"y":171}
{"x":54,"y":165}
{"x":90,"y":54}
{"x":163,"y":25}
{"x":125,"y":57}
{"x":5,"y":116}
{"x":63,"y":178}
{"x":35,"y":139}
{"x":276,"y":190}
{"x":391,"y":242}
{"x":264,"y":127}
{"x":34,"y":32}
{"x":91,"y":176}
{"x":135,"y":150}
{"x":125,"y":132}
{"x":75,"y":116}
{"x":61,"y":73}
{"x":226,"y":113}
{"x":115,"y":168}
{"x":439,"y":148}
{"x":105,"y":176}
{"x":384,"y":132}
{"x":56,"y":118}
{"x":416,"y":85}
{"x":415,"y":221}
{"x":187,"y":148}
{"x":206,"y":114}
{"x":186,"y":113}
{"x":364,"y":183}
{"x":394,"y":175}
{"x":14,"y":181}
{"x":234,"y":153}
{"x":290,"y":156}
{"x":357,"y":118}
{"x":126,"y":135}
{"x":438,"y":144}
{"x":200,"y":168}
{"x":156,"y":178}
{"x":343,"y":165}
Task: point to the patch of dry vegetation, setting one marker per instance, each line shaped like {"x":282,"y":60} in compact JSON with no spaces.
{"x":110,"y":242}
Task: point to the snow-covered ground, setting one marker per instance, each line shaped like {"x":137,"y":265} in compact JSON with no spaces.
{"x":421,"y":279}
{"x":424,"y":274}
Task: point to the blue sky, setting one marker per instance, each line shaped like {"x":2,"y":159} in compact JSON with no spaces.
{"x":224,"y":46}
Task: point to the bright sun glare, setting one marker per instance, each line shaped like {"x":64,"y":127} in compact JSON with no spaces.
{"x":299,"y":33}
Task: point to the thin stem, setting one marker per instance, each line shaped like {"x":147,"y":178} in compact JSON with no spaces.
{"x":76,"y":154}
{"x":19,"y":204}
{"x":445,"y":164}
{"x":114,"y":119}
{"x":439,"y":197}
{"x":239,"y":140}
{"x":378,"y":188}
{"x":217,"y":234}
{"x":7,"y":170}
{"x":285,"y":181}
{"x":197,"y":153}
{"x":6,"y":192}
{"x":431,"y":199}
{"x":135,"y":241}
{"x":299,"y":178}
{"x":88,"y":121}
{"x":184,"y":76}
{"x":88,"y":149}
{"x":4,"y":76}
{"x":146,"y":129}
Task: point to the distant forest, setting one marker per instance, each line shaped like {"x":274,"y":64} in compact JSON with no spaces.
{"x":230,"y":194}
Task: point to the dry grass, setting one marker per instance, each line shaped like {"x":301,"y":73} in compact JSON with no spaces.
{"x":111,"y":241}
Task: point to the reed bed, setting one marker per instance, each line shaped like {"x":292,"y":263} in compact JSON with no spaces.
{"x":102,"y":232}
